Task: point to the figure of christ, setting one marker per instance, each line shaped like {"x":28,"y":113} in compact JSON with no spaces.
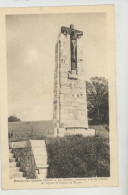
{"x":74,"y":35}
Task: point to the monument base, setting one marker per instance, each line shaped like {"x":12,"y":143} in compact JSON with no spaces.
{"x":61,"y":132}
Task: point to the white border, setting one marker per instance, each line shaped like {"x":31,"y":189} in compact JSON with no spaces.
{"x":121,"y":15}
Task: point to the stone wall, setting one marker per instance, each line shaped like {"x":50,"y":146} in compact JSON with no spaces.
{"x":32,"y":156}
{"x":85,"y":132}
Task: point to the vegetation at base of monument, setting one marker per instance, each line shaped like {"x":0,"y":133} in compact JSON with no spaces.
{"x":78,"y":156}
{"x":97,"y":100}
{"x":13,"y":118}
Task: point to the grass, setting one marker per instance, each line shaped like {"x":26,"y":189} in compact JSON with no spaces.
{"x":22,"y":131}
{"x":78,"y":156}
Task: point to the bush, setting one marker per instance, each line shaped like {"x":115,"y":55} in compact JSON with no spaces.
{"x":13,"y":119}
{"x":78,"y":156}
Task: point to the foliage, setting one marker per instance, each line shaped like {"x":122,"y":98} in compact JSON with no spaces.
{"x":97,"y":99}
{"x":78,"y":156}
{"x":13,"y":118}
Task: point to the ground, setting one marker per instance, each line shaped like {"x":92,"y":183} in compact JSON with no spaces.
{"x":21,"y":131}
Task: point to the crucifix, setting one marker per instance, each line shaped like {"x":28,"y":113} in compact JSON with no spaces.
{"x":74,"y":35}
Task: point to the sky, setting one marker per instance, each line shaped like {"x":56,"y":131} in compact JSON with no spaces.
{"x":30,"y":43}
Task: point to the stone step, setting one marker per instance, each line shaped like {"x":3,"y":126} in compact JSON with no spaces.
{"x":18,"y":178}
{"x":39,"y":150}
{"x":15,"y":174}
{"x":35,"y":143}
{"x":12,"y":159}
{"x":10,"y":150}
{"x":14,"y":164}
{"x":41,"y":176}
{"x":11,"y":155}
{"x":41,"y":165}
{"x":40,"y":160}
{"x":42,"y":157}
{"x":41,"y":171}
{"x":14,"y":169}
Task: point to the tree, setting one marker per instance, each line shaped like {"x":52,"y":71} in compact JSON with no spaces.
{"x":13,"y":118}
{"x":97,"y":100}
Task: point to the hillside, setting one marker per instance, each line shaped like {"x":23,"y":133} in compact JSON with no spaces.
{"x":29,"y":130}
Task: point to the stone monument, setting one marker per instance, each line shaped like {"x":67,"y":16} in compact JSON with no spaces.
{"x":70,"y":103}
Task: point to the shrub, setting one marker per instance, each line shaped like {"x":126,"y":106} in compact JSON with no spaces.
{"x":78,"y":156}
{"x":13,"y":118}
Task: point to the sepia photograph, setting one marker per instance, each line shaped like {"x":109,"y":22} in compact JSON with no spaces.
{"x":60,"y":93}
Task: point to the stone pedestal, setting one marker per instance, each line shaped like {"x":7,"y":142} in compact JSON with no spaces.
{"x":70,"y":103}
{"x":40,"y":157}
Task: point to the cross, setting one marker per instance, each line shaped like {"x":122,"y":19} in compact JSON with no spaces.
{"x":74,"y":35}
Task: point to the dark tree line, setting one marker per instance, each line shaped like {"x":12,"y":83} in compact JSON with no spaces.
{"x":13,"y":118}
{"x":97,"y":100}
